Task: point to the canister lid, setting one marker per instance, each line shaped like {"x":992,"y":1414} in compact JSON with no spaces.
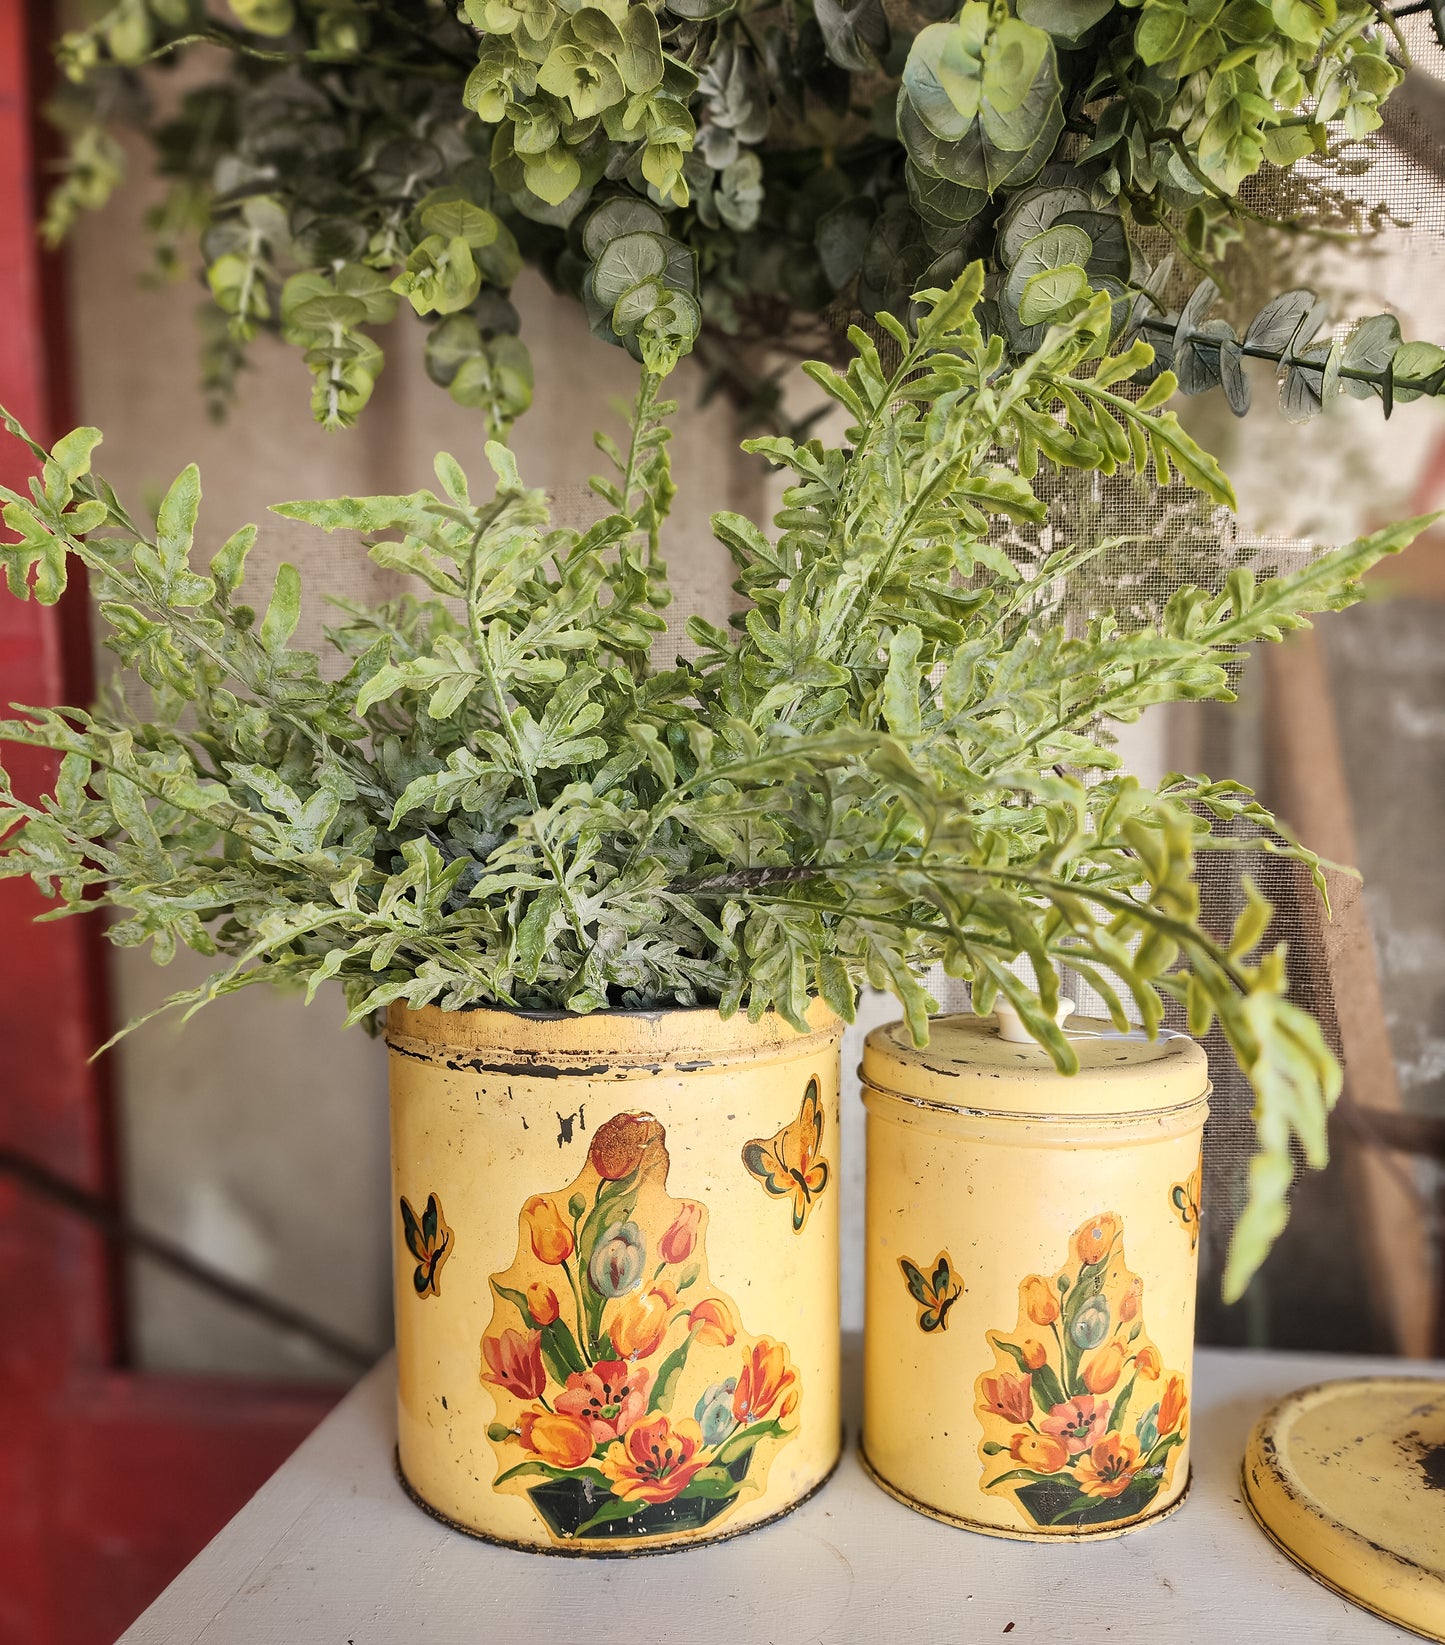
{"x":1348,"y":1479}
{"x":966,"y":1065}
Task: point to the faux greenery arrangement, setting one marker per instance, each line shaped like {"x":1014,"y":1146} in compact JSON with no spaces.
{"x":709,"y":170}
{"x":899,"y":757}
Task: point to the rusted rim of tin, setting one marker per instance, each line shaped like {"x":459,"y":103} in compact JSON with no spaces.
{"x":1128,"y":1116}
{"x":637,"y":1551}
{"x":1103,"y":1533}
{"x":686,"y":1039}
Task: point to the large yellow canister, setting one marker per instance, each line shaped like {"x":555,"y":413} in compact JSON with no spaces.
{"x":1031,"y":1257}
{"x":616,"y":1246}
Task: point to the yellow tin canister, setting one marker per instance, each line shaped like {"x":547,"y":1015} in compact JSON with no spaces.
{"x":616,"y":1243}
{"x":1031,"y":1258}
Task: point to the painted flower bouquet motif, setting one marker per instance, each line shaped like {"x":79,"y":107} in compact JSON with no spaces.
{"x":1081,"y":1420}
{"x":630,"y":1402}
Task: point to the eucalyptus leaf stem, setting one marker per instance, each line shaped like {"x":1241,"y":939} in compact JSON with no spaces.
{"x":1430,"y":383}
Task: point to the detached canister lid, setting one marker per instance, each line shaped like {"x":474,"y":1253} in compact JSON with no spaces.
{"x":968,"y":1066}
{"x":1348,"y":1479}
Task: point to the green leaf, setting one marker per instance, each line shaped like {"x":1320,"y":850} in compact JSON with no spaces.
{"x":1067,"y":20}
{"x":1048,"y":292}
{"x":901,"y":684}
{"x":268,"y":17}
{"x":614,"y":1509}
{"x":284,"y":611}
{"x":228,"y":564}
{"x":855,"y":34}
{"x":36,"y":549}
{"x":664,"y":1385}
{"x":1370,"y":348}
{"x":460,"y":220}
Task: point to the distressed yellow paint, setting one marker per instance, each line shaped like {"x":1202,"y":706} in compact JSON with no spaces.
{"x":979,"y":1148}
{"x":1348,"y":1479}
{"x":493,"y":1109}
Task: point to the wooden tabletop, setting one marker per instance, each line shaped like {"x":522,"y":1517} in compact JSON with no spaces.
{"x":330,"y":1552}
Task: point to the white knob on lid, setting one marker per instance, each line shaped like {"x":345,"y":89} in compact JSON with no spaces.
{"x":1010,"y":1025}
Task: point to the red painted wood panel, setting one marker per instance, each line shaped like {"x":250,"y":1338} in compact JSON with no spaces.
{"x":110,"y":1481}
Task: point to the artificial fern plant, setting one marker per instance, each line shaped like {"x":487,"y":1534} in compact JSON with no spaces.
{"x":899,"y":756}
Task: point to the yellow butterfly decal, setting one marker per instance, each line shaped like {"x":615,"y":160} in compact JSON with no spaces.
{"x":934,"y":1293}
{"x":1185,"y":1197}
{"x":790,"y":1164}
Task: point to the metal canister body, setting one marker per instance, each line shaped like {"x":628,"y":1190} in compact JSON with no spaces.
{"x":1031,"y":1261}
{"x":616,"y":1247}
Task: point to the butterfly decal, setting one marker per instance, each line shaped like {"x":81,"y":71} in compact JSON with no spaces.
{"x":790,"y":1165}
{"x":1185,"y":1198}
{"x":934,"y":1293}
{"x":430,"y":1241}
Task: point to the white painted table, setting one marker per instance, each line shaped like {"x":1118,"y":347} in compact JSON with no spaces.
{"x":330,"y":1552}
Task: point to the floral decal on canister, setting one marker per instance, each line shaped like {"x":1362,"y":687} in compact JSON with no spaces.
{"x":1081,"y":1420}
{"x":935,"y":1290}
{"x":429,"y":1240}
{"x":790,"y":1164}
{"x":1185,"y":1198}
{"x":630,"y":1401}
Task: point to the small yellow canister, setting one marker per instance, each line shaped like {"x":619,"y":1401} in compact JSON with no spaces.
{"x":616,"y":1244}
{"x":1031,"y":1258}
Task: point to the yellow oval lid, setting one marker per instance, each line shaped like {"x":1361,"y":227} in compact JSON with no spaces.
{"x":967,"y":1065}
{"x":1348,"y":1479}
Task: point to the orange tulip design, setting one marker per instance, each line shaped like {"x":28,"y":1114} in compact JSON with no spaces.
{"x":1095,"y":1239}
{"x":1146,"y":1363}
{"x":1104,"y":1368}
{"x":1041,"y":1452}
{"x":550,"y":1235}
{"x":1108,"y":1469}
{"x":656,"y":1461}
{"x":1130,"y":1302}
{"x":564,"y":1441}
{"x":1172,"y":1406}
{"x":1034,"y":1352}
{"x":1040,"y":1303}
{"x":1008,"y":1396}
{"x":640,"y":1323}
{"x":542,"y":1303}
{"x":516,"y":1363}
{"x":765,"y":1379}
{"x":712,"y":1322}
